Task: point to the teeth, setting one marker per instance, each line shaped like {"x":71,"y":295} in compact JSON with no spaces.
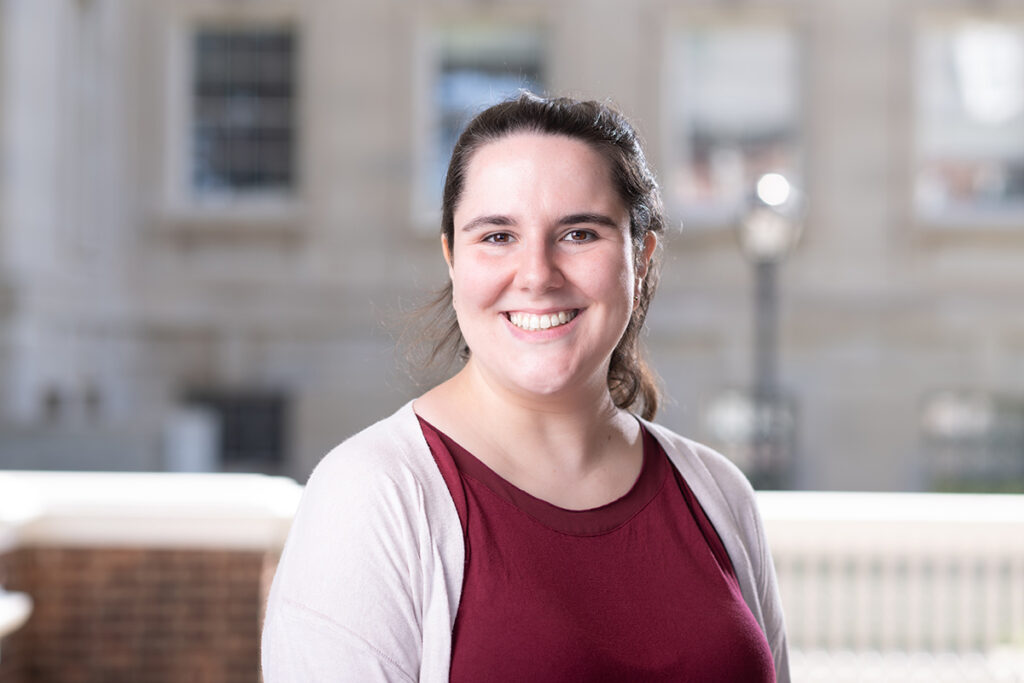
{"x":529,"y":321}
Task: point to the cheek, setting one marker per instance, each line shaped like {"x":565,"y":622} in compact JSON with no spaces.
{"x":627,"y":290}
{"x":475,"y":283}
{"x":611,"y":286}
{"x":618,"y":280}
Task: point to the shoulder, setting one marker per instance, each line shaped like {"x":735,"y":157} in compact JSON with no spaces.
{"x":389,"y":458}
{"x":699,"y":462}
{"x":387,"y":446}
{"x":350,"y":582}
{"x":724,"y":494}
{"x":379,"y":492}
{"x":370,"y":514}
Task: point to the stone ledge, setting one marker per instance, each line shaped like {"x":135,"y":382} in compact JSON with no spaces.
{"x":154,"y":510}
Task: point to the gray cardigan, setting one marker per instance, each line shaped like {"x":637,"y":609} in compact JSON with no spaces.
{"x":369,"y":581}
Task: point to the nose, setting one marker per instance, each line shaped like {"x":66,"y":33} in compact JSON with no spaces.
{"x":538,"y":269}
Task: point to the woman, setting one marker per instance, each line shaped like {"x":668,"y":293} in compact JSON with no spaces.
{"x":518,"y":522}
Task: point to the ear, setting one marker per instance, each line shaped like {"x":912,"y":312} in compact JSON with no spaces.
{"x":650,"y":244}
{"x":446,"y":251}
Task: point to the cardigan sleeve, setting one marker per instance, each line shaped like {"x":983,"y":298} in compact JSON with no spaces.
{"x":346,"y":601}
{"x":770,"y":599}
{"x":301,"y":644}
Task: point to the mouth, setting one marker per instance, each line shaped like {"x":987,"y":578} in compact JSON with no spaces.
{"x":531,"y":321}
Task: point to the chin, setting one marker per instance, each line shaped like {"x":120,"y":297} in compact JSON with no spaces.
{"x":538,"y":388}
{"x":544,"y":384}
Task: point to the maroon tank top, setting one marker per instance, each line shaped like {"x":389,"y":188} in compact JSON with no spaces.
{"x":640,"y":589}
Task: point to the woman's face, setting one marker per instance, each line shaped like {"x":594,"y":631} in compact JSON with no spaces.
{"x":542,"y":265}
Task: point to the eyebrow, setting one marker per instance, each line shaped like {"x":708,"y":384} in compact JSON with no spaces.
{"x":482,"y":221}
{"x":595,"y":218}
{"x":571,"y":219}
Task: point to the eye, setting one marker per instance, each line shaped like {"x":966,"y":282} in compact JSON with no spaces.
{"x":498,"y":238}
{"x":579,"y":236}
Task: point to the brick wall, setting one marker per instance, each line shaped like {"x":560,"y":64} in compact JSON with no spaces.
{"x":13,"y":576}
{"x":136,"y":614}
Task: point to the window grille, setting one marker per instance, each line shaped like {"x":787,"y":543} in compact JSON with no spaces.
{"x":243,"y":110}
{"x":252,"y":428}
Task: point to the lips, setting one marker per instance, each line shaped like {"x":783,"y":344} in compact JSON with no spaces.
{"x":532,"y":321}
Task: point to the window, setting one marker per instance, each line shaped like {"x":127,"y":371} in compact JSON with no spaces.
{"x":733,"y":116}
{"x":757,"y":433}
{"x":252,"y":428}
{"x":242,"y":111}
{"x":970,"y":123}
{"x":974,"y":441}
{"x":475,"y":65}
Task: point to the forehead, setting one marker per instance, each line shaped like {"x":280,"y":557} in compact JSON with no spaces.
{"x":530,"y":143}
{"x":542,"y":171}
{"x":525,"y":157}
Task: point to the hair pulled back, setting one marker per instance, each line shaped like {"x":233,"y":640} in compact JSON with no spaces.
{"x":630,"y":380}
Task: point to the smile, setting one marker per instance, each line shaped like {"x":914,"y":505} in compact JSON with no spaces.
{"x":529,"y":321}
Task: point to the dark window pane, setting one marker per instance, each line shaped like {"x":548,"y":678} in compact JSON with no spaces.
{"x":253,"y":428}
{"x":243,"y":110}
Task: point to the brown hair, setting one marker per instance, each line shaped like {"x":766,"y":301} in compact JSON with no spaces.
{"x":630,"y":380}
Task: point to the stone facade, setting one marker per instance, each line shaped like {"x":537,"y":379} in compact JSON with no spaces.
{"x":119,"y":296}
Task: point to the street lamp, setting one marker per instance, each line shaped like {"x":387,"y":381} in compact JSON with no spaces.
{"x":767,"y":233}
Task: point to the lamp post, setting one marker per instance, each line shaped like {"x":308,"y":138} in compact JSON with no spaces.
{"x":768,"y":231}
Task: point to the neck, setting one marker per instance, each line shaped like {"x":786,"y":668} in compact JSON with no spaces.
{"x":575,"y":449}
{"x":573,"y":430}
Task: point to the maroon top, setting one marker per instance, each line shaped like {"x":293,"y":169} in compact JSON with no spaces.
{"x":640,"y":589}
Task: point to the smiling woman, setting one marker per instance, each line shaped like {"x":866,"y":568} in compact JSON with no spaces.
{"x":540,"y":233}
{"x":518,"y":521}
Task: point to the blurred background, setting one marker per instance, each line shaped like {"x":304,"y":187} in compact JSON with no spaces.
{"x":213,"y":214}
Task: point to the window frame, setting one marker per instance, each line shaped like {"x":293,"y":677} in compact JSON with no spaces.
{"x":251,"y":211}
{"x":967,"y":222}
{"x":752,"y":16}
{"x":425,"y":208}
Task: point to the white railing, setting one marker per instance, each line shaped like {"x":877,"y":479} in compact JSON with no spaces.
{"x":890,"y":582}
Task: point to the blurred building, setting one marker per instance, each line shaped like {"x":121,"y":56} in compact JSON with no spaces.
{"x":212,"y":213}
